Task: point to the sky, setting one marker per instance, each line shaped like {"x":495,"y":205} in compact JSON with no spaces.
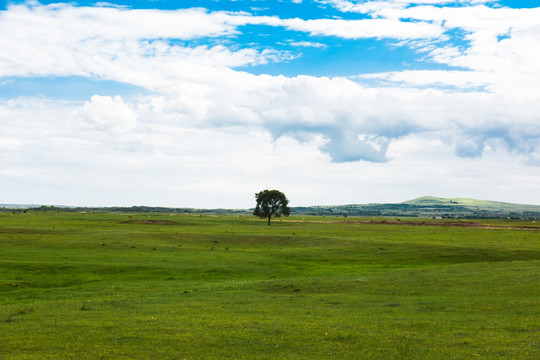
{"x":203,"y":103}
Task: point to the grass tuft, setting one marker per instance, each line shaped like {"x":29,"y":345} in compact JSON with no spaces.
{"x":24,"y":310}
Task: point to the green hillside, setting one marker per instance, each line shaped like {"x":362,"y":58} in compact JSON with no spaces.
{"x":486,"y":205}
{"x":480,"y":204}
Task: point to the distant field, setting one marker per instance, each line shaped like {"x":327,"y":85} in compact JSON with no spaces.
{"x":147,"y":286}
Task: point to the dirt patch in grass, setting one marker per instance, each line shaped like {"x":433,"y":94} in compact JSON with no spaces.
{"x":463,"y":224}
{"x":150,"y":222}
{"x":5,"y":230}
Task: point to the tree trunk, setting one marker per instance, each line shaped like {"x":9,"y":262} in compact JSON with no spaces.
{"x":269,"y":220}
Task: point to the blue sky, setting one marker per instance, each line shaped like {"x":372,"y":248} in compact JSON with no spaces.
{"x":204,"y":103}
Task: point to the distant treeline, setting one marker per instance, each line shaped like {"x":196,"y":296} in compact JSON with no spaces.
{"x":451,"y":211}
{"x":131,"y":209}
{"x":413,"y":210}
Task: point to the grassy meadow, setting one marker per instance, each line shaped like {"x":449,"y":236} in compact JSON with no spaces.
{"x":147,"y":286}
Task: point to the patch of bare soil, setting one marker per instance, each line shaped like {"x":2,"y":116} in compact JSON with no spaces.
{"x":150,"y":222}
{"x":465,"y":224}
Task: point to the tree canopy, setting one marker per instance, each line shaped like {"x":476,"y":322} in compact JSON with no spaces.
{"x":271,"y":203}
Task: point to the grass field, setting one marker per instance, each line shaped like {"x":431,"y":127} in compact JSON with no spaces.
{"x":107,"y":286}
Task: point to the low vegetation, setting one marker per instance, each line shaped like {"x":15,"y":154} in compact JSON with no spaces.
{"x":424,"y":207}
{"x":169,"y":286}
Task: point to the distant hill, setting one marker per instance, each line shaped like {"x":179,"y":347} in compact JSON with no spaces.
{"x":481,"y":205}
{"x":121,"y":209}
{"x":19,"y":206}
{"x":429,"y":206}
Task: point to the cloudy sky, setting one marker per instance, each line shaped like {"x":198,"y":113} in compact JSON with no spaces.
{"x":202,"y":103}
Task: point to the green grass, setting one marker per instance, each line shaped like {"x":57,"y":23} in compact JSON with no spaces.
{"x":106,"y":286}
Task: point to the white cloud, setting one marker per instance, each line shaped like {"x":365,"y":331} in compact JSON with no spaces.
{"x":308,"y":44}
{"x":370,"y":28}
{"x":376,"y":6}
{"x":499,"y":44}
{"x":87,"y":41}
{"x":206,"y":128}
{"x":434,"y":78}
{"x":169,"y":161}
{"x":109,"y":114}
{"x":195,"y":86}
{"x":101,"y":41}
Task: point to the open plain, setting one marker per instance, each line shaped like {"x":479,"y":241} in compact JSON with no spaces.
{"x":155,"y":286}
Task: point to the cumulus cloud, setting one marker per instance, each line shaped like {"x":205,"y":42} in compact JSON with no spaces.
{"x":358,"y":122}
{"x":347,"y":146}
{"x":473,"y":108}
{"x":108,"y":113}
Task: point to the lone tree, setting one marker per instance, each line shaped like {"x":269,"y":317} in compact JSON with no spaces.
{"x":271,"y":203}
